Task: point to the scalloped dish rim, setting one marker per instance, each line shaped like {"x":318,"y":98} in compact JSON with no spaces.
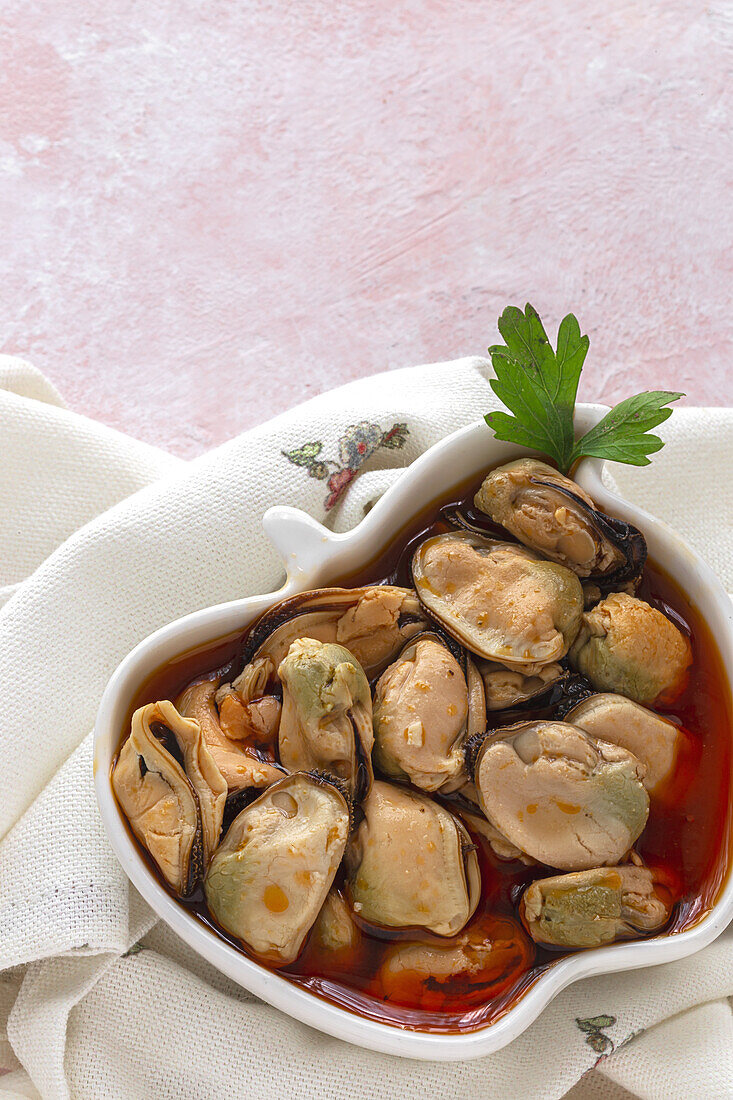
{"x":310,"y":554}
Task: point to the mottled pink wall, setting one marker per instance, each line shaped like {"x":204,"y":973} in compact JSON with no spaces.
{"x":213,"y":209}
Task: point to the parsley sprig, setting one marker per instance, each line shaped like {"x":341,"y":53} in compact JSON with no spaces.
{"x":540,"y":385}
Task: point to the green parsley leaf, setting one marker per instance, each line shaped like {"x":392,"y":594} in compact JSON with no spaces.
{"x":540,"y":386}
{"x":623,"y":435}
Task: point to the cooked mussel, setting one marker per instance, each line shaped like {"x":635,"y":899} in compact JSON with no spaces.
{"x":326,"y":722}
{"x":253,"y":679}
{"x":372,"y":622}
{"x":653,"y":740}
{"x":335,"y":929}
{"x":552,"y":515}
{"x":484,"y":960}
{"x":559,"y":796}
{"x":480,"y":826}
{"x":411,"y":863}
{"x":241,"y":767}
{"x":506,"y":687}
{"x":271,"y":874}
{"x":425,"y":705}
{"x":593,"y":907}
{"x":499,"y":600}
{"x":627,"y":647}
{"x":254,"y":721}
{"x":174,"y":810}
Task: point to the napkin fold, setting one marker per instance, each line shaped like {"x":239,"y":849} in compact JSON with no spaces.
{"x":105,"y":539}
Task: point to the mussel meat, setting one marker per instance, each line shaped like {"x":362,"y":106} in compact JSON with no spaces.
{"x":552,"y":515}
{"x":499,"y":600}
{"x":425,"y":704}
{"x":326,"y":721}
{"x":559,"y":796}
{"x":175,"y":811}
{"x":335,"y":929}
{"x":271,"y":874}
{"x":506,"y":688}
{"x":481,"y":826}
{"x":411,"y":863}
{"x":240,"y":767}
{"x":253,"y":679}
{"x":482,"y":960}
{"x":254,"y":722}
{"x":373,"y":623}
{"x":653,"y":740}
{"x":593,"y":907}
{"x":627,"y":647}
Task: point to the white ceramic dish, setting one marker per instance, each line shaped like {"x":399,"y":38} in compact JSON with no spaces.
{"x":314,"y":557}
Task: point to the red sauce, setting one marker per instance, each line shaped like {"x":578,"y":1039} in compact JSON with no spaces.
{"x":687,"y":838}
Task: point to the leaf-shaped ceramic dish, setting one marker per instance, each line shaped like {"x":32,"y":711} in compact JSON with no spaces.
{"x":313,"y":557}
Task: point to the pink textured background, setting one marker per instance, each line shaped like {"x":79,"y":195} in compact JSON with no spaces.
{"x":212,"y":210}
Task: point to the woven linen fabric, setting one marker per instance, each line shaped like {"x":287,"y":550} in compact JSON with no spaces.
{"x":105,"y":539}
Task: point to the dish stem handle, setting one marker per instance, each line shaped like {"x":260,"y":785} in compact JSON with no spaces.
{"x":304,"y":544}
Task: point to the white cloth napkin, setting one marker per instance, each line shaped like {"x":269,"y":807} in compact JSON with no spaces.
{"x":104,"y":539}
